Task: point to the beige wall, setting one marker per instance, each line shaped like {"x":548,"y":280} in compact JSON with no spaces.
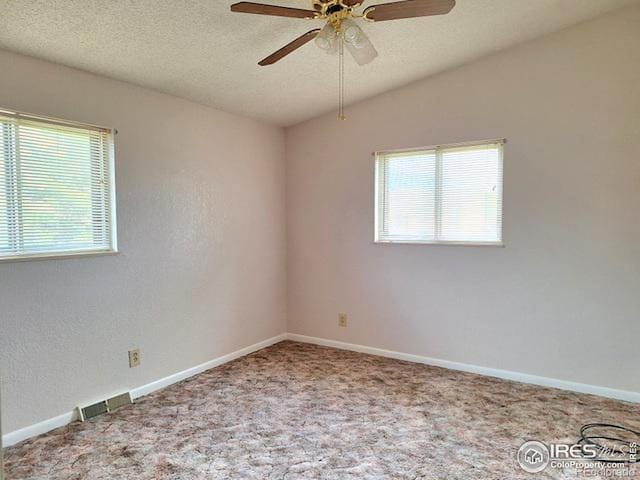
{"x":562,"y":300}
{"x":201,"y":230}
{"x":201,"y":207}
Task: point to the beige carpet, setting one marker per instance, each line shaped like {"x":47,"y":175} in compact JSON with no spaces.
{"x":296,"y":411}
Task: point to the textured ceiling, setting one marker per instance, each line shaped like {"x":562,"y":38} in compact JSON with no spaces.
{"x":198,"y":50}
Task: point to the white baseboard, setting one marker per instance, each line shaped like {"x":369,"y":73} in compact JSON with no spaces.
{"x":178,"y":377}
{"x":39,"y":428}
{"x":60,"y":421}
{"x":490,"y":372}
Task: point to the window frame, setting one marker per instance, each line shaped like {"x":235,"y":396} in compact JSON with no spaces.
{"x":112,"y":214}
{"x":379,"y":157}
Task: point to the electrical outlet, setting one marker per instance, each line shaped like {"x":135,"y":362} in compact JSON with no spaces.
{"x":342,"y":319}
{"x":134,"y":358}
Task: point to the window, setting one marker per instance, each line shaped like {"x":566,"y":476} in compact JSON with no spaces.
{"x":448,"y":194}
{"x":56,"y":188}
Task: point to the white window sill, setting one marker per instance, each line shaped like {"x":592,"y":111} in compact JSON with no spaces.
{"x":443,"y":243}
{"x":57,"y":256}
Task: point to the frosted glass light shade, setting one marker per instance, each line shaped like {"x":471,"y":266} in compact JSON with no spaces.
{"x":327,"y":39}
{"x":358,"y":43}
{"x":352,"y":32}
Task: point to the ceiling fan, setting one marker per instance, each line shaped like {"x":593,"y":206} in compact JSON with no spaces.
{"x":340,"y":29}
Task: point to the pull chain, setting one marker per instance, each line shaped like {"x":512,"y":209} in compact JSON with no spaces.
{"x":341,"y":115}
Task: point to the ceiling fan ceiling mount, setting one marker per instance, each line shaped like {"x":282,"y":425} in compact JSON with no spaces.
{"x":325,"y":8}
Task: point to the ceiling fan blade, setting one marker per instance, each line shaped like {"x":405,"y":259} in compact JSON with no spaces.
{"x":408,"y":9}
{"x":290,"y":47}
{"x":262,"y":9}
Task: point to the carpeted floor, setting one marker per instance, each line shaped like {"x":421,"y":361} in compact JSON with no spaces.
{"x":297,"y":411}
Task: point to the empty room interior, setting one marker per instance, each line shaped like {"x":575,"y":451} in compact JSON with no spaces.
{"x":319,"y":239}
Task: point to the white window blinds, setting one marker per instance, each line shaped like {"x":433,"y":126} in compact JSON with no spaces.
{"x":446,"y":194}
{"x":56,"y":188}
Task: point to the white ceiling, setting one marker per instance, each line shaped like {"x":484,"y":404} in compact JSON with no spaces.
{"x":199,"y":50}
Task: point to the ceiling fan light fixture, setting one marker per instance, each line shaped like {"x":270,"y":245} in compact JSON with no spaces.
{"x":357,"y":42}
{"x":352,"y":32}
{"x":327,"y":39}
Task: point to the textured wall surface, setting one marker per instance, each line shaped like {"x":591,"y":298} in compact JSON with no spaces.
{"x":561,"y":300}
{"x":201,"y":208}
{"x":201,"y":230}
